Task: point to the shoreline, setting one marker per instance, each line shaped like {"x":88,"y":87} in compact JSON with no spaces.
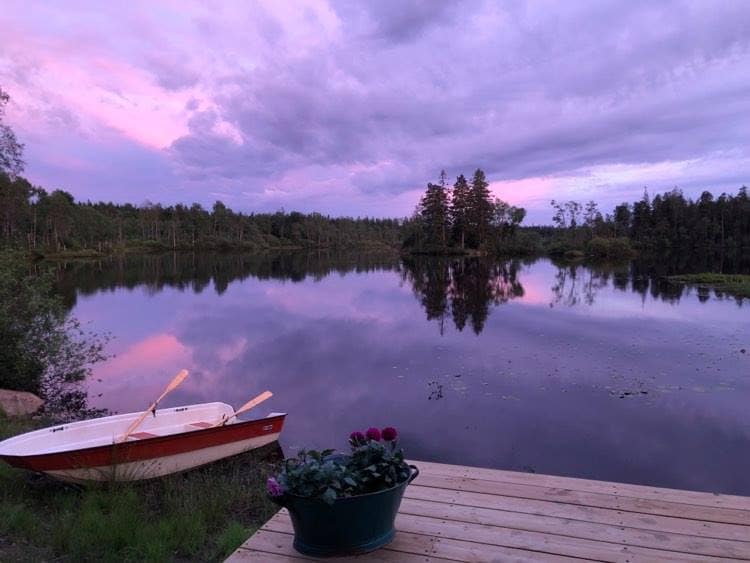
{"x":203,"y":514}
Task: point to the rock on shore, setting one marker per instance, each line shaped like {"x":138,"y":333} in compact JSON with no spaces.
{"x":19,"y":403}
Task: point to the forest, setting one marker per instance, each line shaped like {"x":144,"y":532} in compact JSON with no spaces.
{"x":670,"y":222}
{"x":54,"y":223}
{"x":459,"y":220}
{"x":466,"y":217}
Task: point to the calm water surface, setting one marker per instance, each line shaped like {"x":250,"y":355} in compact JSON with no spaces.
{"x":590,"y":372}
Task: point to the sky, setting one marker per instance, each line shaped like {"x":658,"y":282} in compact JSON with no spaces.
{"x":350,"y":108}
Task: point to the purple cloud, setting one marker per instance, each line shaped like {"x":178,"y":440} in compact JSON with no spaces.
{"x":351,"y":107}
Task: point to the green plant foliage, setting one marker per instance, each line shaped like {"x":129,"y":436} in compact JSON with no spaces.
{"x":612,"y":248}
{"x":233,"y":536}
{"x":42,"y":348}
{"x":200,"y":515}
{"x":668,"y":223}
{"x":53,"y":224}
{"x":467,"y":218}
{"x":737,"y":285}
{"x":11,"y":151}
{"x":372,"y":465}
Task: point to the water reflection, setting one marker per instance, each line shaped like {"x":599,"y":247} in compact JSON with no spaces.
{"x":463,"y":288}
{"x":620,"y":379}
{"x":197,"y":271}
{"x":576,"y":284}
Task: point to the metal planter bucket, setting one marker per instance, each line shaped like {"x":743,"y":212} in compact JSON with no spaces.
{"x":350,"y":525}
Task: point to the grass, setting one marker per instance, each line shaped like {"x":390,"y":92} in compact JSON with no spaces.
{"x":737,"y":285}
{"x":200,"y":515}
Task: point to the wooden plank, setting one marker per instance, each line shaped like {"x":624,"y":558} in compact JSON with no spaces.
{"x":443,"y":548}
{"x":243,"y":554}
{"x":587,"y":485}
{"x":459,"y":550}
{"x":277,"y":538}
{"x":276,"y":542}
{"x":583,"y":513}
{"x":601,"y":500}
{"x":273,"y":542}
{"x":579,"y":529}
{"x":548,"y":543}
{"x":490,"y":537}
{"x":455,"y":513}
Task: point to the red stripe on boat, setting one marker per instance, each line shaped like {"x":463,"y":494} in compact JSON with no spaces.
{"x":148,"y":448}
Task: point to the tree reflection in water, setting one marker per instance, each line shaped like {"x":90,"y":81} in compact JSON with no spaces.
{"x":462,"y":288}
{"x":455,"y":288}
{"x":577,"y":283}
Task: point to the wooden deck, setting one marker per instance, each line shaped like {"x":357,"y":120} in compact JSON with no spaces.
{"x":455,"y":513}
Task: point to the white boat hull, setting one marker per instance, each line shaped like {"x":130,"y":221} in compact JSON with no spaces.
{"x":159,"y":467}
{"x":172,"y":441}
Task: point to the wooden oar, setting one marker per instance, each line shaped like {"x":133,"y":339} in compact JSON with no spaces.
{"x":179,"y":378}
{"x":247,"y":406}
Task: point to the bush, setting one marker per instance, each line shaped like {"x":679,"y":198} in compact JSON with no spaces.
{"x":611,"y":248}
{"x":561,"y":248}
{"x":574,"y":254}
{"x":520,"y":244}
{"x":42,"y":348}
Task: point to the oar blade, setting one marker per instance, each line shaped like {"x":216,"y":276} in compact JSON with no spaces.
{"x":178,"y":379}
{"x":254,"y":402}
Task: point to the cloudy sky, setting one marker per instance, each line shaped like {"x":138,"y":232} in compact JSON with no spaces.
{"x":351,"y":107}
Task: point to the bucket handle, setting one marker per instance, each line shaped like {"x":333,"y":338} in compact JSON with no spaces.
{"x":414,"y":474}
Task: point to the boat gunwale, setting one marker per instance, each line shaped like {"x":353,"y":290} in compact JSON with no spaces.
{"x":125,"y":448}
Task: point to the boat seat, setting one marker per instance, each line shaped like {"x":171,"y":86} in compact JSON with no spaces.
{"x":201,"y":424}
{"x":142,"y":435}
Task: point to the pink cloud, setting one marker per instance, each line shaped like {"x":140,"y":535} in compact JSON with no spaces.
{"x":158,"y":353}
{"x":140,"y":371}
{"x":524,"y":191}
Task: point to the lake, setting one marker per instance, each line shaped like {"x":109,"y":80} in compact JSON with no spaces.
{"x":596,"y":372}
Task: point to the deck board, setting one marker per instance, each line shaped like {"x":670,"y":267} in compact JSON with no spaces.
{"x":457,"y":513}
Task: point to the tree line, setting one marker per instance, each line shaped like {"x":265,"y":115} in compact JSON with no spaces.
{"x":463,"y":217}
{"x":668,"y":222}
{"x":54,"y":222}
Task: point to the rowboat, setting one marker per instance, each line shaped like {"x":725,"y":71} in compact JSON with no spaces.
{"x":131,"y":447}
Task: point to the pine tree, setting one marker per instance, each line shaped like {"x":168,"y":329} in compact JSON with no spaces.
{"x":621,"y":220}
{"x":433,"y":210}
{"x":641,"y":218}
{"x":459,"y":211}
{"x":480,"y":208}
